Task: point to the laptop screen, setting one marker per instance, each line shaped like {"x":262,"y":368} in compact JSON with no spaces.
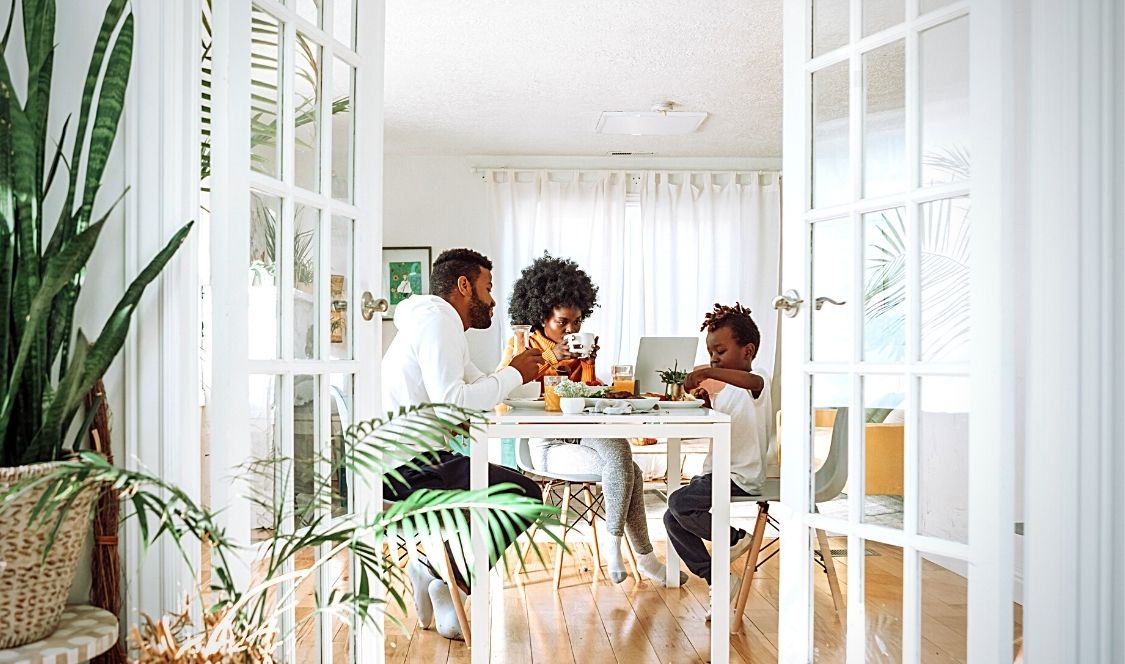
{"x":659,"y":353}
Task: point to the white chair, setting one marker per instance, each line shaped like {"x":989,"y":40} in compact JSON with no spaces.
{"x":829,"y":482}
{"x":587,"y":514}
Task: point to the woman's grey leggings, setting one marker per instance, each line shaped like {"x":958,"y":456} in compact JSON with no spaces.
{"x":622,"y":483}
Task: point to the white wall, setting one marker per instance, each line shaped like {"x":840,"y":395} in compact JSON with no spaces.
{"x":440,"y":202}
{"x":75,"y":33}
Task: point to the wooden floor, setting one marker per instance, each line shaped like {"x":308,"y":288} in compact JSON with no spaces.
{"x":644,"y":624}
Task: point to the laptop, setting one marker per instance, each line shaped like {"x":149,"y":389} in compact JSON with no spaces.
{"x":659,"y":353}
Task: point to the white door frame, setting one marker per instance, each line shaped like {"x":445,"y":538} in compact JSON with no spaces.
{"x":162,"y":427}
{"x":1073,"y":94}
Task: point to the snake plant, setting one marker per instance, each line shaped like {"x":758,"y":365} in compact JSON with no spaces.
{"x":46,"y":368}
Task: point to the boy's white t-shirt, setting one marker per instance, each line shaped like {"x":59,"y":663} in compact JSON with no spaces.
{"x":749,"y":432}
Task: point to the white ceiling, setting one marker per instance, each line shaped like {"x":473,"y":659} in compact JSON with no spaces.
{"x":530,"y":77}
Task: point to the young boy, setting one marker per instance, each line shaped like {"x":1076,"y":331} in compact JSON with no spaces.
{"x":730,"y":386}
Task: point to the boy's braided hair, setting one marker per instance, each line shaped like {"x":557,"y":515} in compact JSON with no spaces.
{"x":738,"y":319}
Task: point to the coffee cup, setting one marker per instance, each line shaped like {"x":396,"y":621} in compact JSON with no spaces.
{"x":581,"y":344}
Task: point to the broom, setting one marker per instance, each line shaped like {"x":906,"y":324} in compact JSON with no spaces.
{"x":105,"y":565}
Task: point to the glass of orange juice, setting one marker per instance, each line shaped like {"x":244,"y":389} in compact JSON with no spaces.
{"x":623,"y":379}
{"x":550,"y":396}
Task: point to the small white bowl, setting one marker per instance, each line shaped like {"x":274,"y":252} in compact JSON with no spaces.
{"x":572,"y":405}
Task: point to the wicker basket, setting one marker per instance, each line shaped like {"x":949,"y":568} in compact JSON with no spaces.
{"x":33,"y":592}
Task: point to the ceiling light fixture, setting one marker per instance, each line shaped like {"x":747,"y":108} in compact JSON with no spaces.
{"x":662,"y":120}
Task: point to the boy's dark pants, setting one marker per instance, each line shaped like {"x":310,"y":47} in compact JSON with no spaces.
{"x":688,"y":521}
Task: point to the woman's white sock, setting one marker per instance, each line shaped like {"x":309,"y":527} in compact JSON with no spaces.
{"x":652,"y":568}
{"x":613,"y":559}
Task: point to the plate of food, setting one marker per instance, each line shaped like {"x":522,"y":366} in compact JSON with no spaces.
{"x":664,"y":403}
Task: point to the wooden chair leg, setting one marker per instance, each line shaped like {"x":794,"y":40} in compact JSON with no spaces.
{"x":564,"y":513}
{"x":531,"y":532}
{"x":750,"y":567}
{"x":458,"y":604}
{"x":833,"y":581}
{"x":632,"y":559}
{"x":593,"y":521}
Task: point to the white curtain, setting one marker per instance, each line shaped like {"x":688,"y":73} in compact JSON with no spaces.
{"x":662,"y":247}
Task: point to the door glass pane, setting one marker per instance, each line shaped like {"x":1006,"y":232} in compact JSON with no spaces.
{"x":943,"y":457}
{"x":831,"y":278}
{"x":829,"y":554}
{"x":306,"y":253}
{"x":342,"y":21}
{"x":340,"y":404}
{"x":881,"y":14}
{"x":830,"y":25}
{"x":946,"y":330}
{"x":306,"y":624}
{"x":264,"y":316}
{"x":310,"y":10}
{"x":884,"y":120}
{"x":945,"y":603}
{"x":930,"y":5}
{"x":265,"y":445}
{"x":884,"y":417}
{"x":340,"y":314}
{"x":265,"y":93}
{"x":308,"y":489}
{"x":882,"y":598}
{"x":884,"y":286}
{"x":343,"y":130}
{"x":830,"y":395}
{"x":339,"y":583}
{"x":944,"y":100}
{"x":831,"y":179}
{"x":306,"y":114}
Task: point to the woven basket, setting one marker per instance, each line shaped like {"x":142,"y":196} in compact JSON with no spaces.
{"x":33,"y":592}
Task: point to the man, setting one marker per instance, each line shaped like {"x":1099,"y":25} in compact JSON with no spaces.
{"x":428,"y":362}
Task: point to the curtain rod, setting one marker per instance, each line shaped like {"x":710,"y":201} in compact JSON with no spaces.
{"x":507,"y":169}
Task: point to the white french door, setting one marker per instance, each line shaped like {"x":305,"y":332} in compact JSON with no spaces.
{"x":878,"y":243}
{"x":296,"y":197}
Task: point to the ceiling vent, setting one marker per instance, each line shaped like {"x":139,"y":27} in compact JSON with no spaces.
{"x":617,"y":153}
{"x":662,"y":120}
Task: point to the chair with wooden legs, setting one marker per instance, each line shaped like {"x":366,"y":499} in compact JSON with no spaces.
{"x":586,"y":512}
{"x":829,"y":482}
{"x":458,"y":603}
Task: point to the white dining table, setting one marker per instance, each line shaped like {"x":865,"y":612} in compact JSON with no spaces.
{"x":672,"y":424}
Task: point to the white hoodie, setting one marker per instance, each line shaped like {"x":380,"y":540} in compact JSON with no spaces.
{"x":428,"y":361}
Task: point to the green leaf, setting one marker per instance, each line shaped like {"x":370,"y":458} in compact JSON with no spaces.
{"x":117,"y":327}
{"x":110,"y":20}
{"x":59,"y":272}
{"x":111,"y":102}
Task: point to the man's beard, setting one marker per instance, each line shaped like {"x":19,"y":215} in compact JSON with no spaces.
{"x":480,"y":314}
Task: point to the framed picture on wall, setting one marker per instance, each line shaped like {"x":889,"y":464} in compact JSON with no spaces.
{"x":406,"y":272}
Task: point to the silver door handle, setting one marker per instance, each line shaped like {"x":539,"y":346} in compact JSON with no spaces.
{"x":790,"y":302}
{"x":371,"y":306}
{"x":820,"y":301}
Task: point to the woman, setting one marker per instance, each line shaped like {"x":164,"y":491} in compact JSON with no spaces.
{"x":555,"y":298}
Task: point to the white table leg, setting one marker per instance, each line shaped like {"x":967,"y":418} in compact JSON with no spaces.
{"x":672,"y":580}
{"x":720,"y":541}
{"x":480,"y":614}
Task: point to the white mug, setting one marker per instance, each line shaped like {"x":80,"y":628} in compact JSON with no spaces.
{"x":580,"y":343}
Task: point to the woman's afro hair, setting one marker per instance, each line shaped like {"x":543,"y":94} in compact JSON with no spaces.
{"x":548,"y":283}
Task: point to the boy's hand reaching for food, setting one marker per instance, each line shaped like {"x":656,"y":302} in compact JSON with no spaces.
{"x":695,"y":378}
{"x":703,"y":395}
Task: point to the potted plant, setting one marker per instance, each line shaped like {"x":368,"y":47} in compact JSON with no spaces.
{"x":242,"y":623}
{"x":48,"y":368}
{"x":673,"y":380}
